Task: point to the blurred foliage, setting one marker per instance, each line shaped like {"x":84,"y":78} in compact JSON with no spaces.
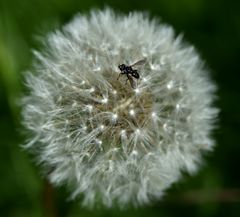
{"x":212,"y":26}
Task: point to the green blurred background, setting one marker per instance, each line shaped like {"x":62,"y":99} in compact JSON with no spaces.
{"x":212,"y":26}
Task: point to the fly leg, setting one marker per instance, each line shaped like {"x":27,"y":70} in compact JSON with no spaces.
{"x":120,"y":74}
{"x":128,"y":79}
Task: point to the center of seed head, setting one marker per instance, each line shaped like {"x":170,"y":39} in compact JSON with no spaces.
{"x":129,"y":109}
{"x":102,"y":115}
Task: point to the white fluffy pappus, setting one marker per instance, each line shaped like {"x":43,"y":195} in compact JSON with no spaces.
{"x":111,"y":143}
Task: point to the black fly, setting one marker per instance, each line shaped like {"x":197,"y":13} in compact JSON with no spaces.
{"x":130,"y":72}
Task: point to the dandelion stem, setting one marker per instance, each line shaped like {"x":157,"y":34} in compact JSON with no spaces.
{"x":48,"y":200}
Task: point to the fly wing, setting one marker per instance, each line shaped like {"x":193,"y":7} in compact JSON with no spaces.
{"x":133,"y":82}
{"x":139,"y":64}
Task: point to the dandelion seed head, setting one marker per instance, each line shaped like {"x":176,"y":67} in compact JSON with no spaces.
{"x":114,"y":144}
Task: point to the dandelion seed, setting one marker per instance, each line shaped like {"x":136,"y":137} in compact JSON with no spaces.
{"x":137,"y":90}
{"x":170,"y":85}
{"x":115,"y":145}
{"x":99,"y":142}
{"x":84,"y":128}
{"x":131,"y":112}
{"x":137,"y":131}
{"x":154,"y":115}
{"x":144,"y":80}
{"x":102,"y":127}
{"x":104,"y":100}
{"x":123,"y":132}
{"x":89,"y":108}
{"x":180,"y":89}
{"x":74,"y":104}
{"x":114,"y":116}
{"x":134,"y":153}
{"x":91,"y":90}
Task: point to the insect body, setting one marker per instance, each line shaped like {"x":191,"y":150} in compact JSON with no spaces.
{"x":130,"y":72}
